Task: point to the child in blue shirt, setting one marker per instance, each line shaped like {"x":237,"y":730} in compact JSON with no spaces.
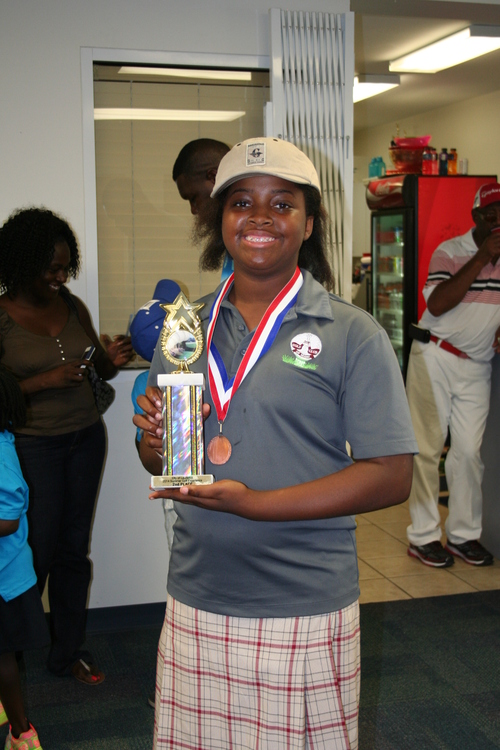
{"x":22,"y":620}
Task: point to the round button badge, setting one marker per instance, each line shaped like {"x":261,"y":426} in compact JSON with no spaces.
{"x":306,"y":346}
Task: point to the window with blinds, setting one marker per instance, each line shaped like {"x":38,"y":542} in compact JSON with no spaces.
{"x":143,"y":226}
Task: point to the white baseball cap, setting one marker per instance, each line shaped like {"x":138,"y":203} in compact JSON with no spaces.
{"x":265,"y":156}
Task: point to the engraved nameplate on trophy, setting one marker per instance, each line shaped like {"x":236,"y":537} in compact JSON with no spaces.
{"x":181,"y":341}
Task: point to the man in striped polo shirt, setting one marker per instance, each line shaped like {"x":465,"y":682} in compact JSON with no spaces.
{"x":448,"y":386}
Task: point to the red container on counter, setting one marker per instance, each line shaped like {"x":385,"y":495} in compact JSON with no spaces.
{"x":407,"y":160}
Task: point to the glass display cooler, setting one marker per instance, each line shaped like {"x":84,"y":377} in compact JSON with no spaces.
{"x":388,"y":263}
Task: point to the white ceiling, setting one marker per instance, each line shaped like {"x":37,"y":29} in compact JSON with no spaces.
{"x":386,"y":29}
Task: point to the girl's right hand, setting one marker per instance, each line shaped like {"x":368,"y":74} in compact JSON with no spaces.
{"x":151,"y":422}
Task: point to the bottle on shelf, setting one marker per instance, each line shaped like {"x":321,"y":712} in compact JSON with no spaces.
{"x":452,"y":161}
{"x":373,"y":167}
{"x":435,"y":162}
{"x":427,"y":161}
{"x":376,"y":167}
{"x":443,"y":162}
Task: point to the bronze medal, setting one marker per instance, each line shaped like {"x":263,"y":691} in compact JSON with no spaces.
{"x":219,"y":450}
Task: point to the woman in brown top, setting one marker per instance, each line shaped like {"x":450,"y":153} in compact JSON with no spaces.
{"x":44,"y":331}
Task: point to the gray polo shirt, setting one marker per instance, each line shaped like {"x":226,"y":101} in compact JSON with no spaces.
{"x":330,"y":377}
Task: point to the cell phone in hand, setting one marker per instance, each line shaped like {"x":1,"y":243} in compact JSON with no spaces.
{"x":88,"y":354}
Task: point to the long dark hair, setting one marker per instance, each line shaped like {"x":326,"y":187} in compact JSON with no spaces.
{"x":12,"y":403}
{"x":312,"y":255}
{"x":27,"y":242}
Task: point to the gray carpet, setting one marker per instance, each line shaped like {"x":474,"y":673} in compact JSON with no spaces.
{"x":430,"y":673}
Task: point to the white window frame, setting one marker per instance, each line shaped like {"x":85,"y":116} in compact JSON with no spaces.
{"x":90,"y":55}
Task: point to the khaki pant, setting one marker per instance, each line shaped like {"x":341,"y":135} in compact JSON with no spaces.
{"x":445,"y":391}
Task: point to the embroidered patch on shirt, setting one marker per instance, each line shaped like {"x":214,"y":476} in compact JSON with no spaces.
{"x":305,"y":347}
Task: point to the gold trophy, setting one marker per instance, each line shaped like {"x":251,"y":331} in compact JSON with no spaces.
{"x":181,"y":341}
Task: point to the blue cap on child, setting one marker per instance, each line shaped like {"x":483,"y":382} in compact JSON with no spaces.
{"x":146,"y":325}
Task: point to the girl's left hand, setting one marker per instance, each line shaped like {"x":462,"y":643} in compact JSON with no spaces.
{"x":119,"y":349}
{"x":226,"y":496}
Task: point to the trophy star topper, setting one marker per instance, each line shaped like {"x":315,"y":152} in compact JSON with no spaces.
{"x":182,"y":313}
{"x":181,"y":337}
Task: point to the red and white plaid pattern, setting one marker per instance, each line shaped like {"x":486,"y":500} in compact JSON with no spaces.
{"x":234,"y":683}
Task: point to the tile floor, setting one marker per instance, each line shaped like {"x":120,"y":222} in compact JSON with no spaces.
{"x":387,"y":573}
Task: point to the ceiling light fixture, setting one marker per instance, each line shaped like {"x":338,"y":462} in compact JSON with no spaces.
{"x":474,"y":41}
{"x":371,"y":85}
{"x":191,"y":115}
{"x":217,"y":75}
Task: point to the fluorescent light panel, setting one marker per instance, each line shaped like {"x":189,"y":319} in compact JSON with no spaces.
{"x":191,"y":115}
{"x":465,"y":45}
{"x":214,"y":75}
{"x":366,"y":86}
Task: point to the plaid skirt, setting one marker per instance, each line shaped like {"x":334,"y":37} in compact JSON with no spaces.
{"x":234,"y":683}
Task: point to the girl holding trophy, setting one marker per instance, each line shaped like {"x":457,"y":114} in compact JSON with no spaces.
{"x":260,"y":644}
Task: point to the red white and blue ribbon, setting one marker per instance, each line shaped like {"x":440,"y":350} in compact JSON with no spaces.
{"x":222,"y":388}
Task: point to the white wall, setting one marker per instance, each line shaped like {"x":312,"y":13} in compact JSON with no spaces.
{"x":471,"y":127}
{"x":129,"y":546}
{"x":41,"y":162}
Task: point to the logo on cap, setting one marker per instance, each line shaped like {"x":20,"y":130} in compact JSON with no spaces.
{"x":489,"y":193}
{"x":256,"y":153}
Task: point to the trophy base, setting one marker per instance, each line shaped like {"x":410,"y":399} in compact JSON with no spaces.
{"x":174,"y":482}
